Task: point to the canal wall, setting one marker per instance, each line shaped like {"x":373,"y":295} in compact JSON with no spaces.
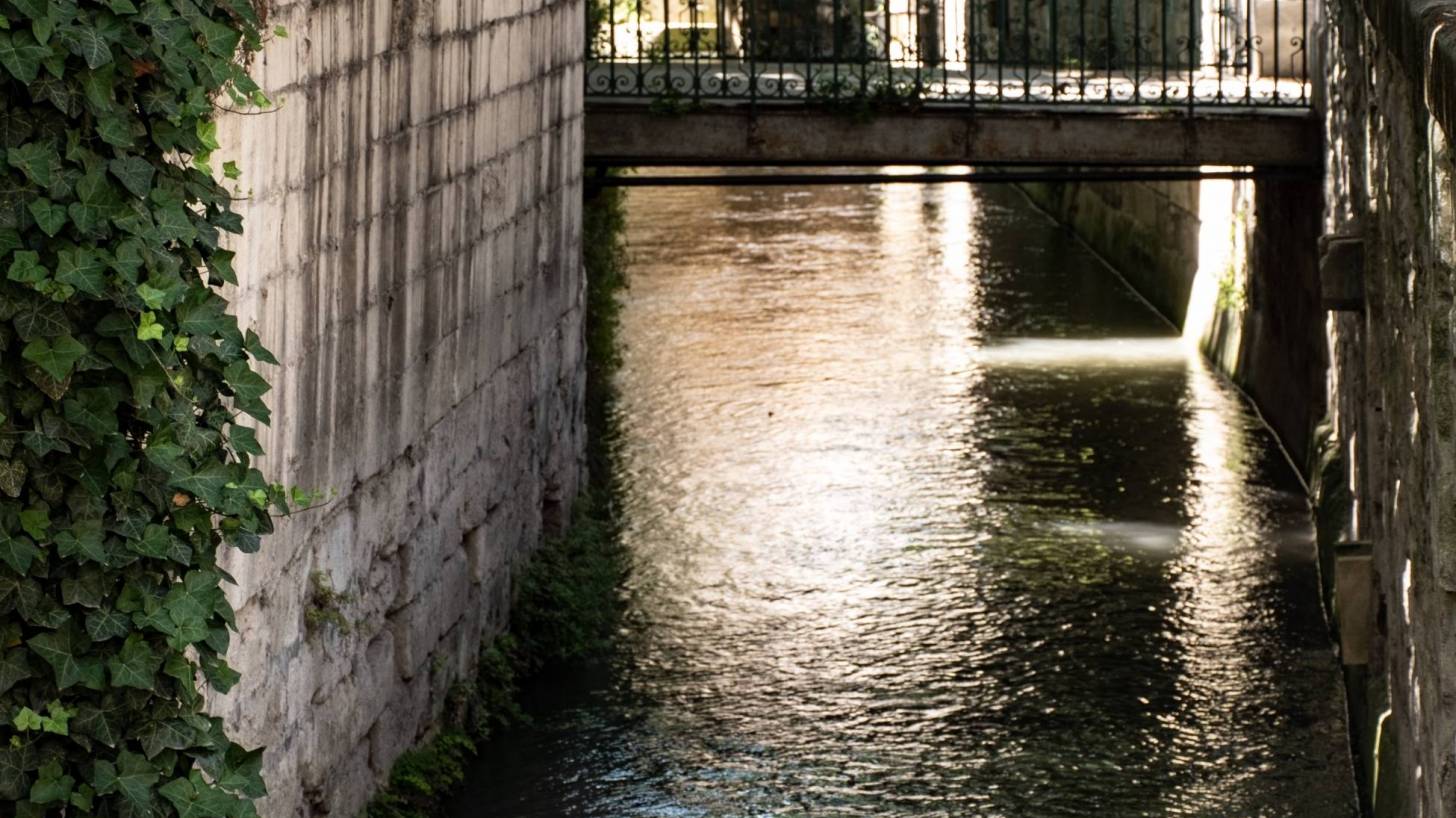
{"x":1390,"y":86}
{"x":412,"y":256}
{"x":1233,"y":265}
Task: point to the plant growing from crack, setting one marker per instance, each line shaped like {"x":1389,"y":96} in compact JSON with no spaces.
{"x":326,"y":605}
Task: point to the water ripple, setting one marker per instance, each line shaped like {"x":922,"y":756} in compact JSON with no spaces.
{"x":930,"y":518}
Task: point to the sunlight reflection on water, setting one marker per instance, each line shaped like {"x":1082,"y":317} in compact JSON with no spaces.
{"x":928,"y":516}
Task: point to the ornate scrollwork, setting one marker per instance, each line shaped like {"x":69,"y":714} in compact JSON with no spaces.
{"x":974,"y":57}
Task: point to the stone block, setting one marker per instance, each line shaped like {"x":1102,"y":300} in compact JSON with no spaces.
{"x":396,"y":227}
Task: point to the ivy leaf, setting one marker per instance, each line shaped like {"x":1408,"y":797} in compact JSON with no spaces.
{"x":10,"y":241}
{"x":239,"y":771}
{"x":64,"y":650}
{"x":36,"y":522}
{"x":106,"y":623}
{"x":14,"y":782}
{"x":245,"y":440}
{"x":248,"y":386}
{"x":14,"y":667}
{"x":171,"y":734}
{"x":81,"y":268}
{"x":115,"y":131}
{"x":96,"y":203}
{"x":155,"y":298}
{"x":155,"y":542}
{"x":87,"y":589}
{"x":193,"y":797}
{"x":35,"y":160}
{"x":255,"y":347}
{"x":135,"y":665}
{"x":57,"y":91}
{"x":41,"y":441}
{"x":132,"y":776}
{"x":221,"y":265}
{"x":34,"y":9}
{"x":207,"y":135}
{"x":40,"y":318}
{"x":127,"y":258}
{"x":16,"y":126}
{"x":219,"y":675}
{"x":21,"y":55}
{"x":57,"y":718}
{"x":87,"y":44}
{"x":221,"y":40}
{"x":134,"y":173}
{"x":52,"y":785}
{"x":189,"y":603}
{"x":12,"y":477}
{"x":92,"y":409}
{"x":148,"y":329}
{"x":206,"y":482}
{"x":55,"y":358}
{"x":27,"y":720}
{"x":173,"y":224}
{"x":42,"y":28}
{"x":38,"y":608}
{"x":84,"y":538}
{"x":207,"y":318}
{"x":50,"y":217}
{"x":18,"y":552}
{"x":26,"y":268}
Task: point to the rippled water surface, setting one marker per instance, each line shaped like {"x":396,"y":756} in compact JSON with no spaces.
{"x":928,"y":515}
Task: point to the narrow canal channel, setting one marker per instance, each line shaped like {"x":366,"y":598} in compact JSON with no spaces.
{"x":929,"y":515}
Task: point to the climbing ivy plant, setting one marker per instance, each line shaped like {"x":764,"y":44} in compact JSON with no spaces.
{"x":124,"y":452}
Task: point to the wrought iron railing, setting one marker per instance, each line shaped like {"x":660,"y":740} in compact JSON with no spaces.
{"x":1170,"y":53}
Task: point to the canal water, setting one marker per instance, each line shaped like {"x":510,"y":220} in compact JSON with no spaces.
{"x":929,"y":515}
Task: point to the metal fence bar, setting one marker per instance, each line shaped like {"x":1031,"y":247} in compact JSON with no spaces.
{"x":1115,"y":53}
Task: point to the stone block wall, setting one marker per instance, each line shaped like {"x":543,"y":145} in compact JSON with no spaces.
{"x":1148,"y":231}
{"x":1389,"y":82}
{"x":412,"y":257}
{"x":1232,"y":264}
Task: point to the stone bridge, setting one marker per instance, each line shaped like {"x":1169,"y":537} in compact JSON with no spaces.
{"x":1128,"y":83}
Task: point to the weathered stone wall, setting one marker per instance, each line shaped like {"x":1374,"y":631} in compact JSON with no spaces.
{"x":1148,"y":231}
{"x":1232,"y":263}
{"x":412,"y":257}
{"x":1390,"y":80}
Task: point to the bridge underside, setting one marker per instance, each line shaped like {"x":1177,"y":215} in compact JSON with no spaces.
{"x":634,"y":134}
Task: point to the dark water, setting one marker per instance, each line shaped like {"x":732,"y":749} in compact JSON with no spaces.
{"x":929,"y":516}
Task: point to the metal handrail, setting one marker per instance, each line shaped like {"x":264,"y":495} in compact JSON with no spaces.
{"x":1144,"y":53}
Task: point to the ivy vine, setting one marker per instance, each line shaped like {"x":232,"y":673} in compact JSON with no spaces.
{"x":125,"y":461}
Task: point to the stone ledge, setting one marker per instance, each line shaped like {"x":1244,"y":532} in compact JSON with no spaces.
{"x":632,"y":134}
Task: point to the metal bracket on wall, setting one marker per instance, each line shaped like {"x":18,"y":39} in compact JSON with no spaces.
{"x":1342,"y":272}
{"x":1354,"y":595}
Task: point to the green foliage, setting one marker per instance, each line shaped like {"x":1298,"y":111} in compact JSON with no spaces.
{"x":326,"y":605}
{"x":604,"y":258}
{"x":567,"y":603}
{"x":421,"y":779}
{"x":124,"y":461}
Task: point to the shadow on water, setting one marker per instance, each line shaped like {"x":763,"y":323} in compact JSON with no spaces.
{"x":928,"y":516}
